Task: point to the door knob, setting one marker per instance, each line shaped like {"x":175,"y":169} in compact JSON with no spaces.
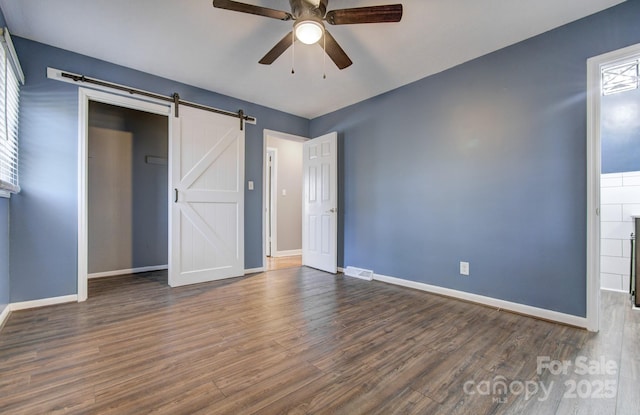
{"x":332,"y":210}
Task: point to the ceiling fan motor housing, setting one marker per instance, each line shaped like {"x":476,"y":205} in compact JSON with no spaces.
{"x":308,"y":10}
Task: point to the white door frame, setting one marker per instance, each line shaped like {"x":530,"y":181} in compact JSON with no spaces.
{"x":285,"y":136}
{"x":594,"y":150}
{"x":84,"y":96}
{"x":271,"y":219}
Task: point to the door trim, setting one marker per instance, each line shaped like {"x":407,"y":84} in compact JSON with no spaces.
{"x":84,"y":96}
{"x":285,"y":136}
{"x":594,"y":150}
{"x":271,"y":208}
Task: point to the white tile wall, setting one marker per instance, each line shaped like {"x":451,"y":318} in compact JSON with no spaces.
{"x":630,"y":209}
{"x":619,"y":200}
{"x":611,"y":180}
{"x":631,"y":178}
{"x":619,"y":195}
{"x":615,"y":230}
{"x":615,"y":265}
{"x":611,"y":248}
{"x":611,"y":213}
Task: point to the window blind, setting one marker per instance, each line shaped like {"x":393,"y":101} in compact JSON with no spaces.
{"x":10,"y":79}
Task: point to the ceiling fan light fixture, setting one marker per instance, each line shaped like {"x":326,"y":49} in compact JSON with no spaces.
{"x":309,"y":17}
{"x":309,"y":31}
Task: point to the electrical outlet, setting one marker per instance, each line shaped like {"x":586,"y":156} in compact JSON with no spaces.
{"x":464,"y":268}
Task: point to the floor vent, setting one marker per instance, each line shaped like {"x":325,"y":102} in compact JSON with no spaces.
{"x":364,"y":274}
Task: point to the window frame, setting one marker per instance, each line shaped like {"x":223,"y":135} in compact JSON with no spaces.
{"x":618,"y":77}
{"x":12,"y":78}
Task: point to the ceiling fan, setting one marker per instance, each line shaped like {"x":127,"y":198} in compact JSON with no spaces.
{"x":308,"y":27}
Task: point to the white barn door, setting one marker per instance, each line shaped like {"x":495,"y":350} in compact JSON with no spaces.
{"x":207,"y":187}
{"x":319,"y":216}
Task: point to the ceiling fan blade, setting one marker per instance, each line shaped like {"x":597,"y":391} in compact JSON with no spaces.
{"x":278,"y":49}
{"x":375,"y":14}
{"x":335,"y":52}
{"x":251,"y":9}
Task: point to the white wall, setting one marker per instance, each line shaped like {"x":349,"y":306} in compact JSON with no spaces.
{"x":620,"y":199}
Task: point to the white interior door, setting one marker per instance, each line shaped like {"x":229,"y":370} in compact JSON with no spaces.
{"x":320,"y":205}
{"x":207,"y":184}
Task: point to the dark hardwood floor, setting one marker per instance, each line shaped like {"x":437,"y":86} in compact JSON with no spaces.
{"x":300,"y":341}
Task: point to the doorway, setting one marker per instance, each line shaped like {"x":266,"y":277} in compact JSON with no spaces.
{"x":205,"y":174}
{"x":282,"y":200}
{"x":601,"y":208}
{"x":127,"y":191}
{"x":88,"y":97}
{"x":620,"y":171}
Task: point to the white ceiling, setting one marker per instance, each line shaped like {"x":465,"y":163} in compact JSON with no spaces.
{"x":191,"y":42}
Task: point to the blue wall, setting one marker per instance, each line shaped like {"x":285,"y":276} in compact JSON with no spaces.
{"x":485,"y":163}
{"x":620,"y":130}
{"x":44,"y":214}
{"x":5,"y":287}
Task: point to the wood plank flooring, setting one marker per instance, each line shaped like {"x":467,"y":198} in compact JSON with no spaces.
{"x":299,"y":341}
{"x":274,"y":263}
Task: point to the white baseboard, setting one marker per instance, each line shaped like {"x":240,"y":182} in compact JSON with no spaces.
{"x":488,"y":301}
{"x":253,"y":270}
{"x":5,"y":315}
{"x":23,"y":305}
{"x":614,"y":290}
{"x":127,"y":271}
{"x":293,"y":252}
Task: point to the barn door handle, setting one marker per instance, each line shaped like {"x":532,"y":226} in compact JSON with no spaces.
{"x":176,"y":198}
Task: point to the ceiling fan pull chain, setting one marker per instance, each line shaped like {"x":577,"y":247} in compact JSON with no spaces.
{"x":293,"y":51}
